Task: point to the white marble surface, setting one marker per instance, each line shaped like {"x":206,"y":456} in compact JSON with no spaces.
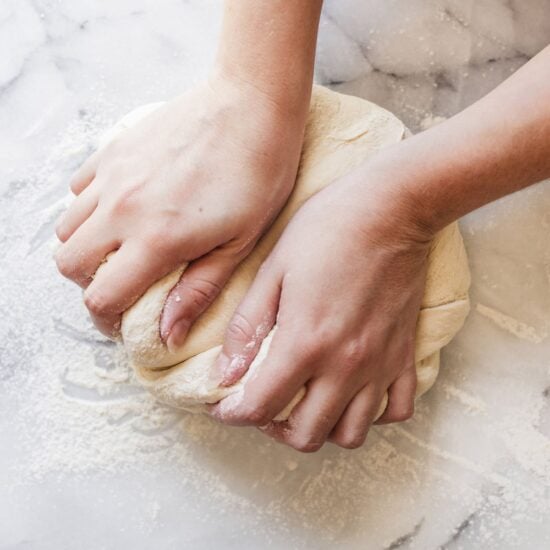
{"x":89,"y":461}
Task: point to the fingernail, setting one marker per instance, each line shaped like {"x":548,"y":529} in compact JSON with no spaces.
{"x":176,"y":335}
{"x":167,"y":316}
{"x":228,"y":369}
{"x":235,"y":370}
{"x":166,"y":323}
{"x":164,"y":329}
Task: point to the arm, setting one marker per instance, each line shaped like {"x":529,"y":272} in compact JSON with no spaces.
{"x":378,"y":221}
{"x":497,"y":146}
{"x":270,"y":45}
{"x":221,"y":165}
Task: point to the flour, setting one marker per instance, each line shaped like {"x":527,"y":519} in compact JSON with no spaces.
{"x":429,"y":121}
{"x":77,"y":412}
{"x":472,"y":403}
{"x":512,"y":325}
{"x":341,"y":132}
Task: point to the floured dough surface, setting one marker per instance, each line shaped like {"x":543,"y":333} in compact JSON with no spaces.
{"x":341,"y":132}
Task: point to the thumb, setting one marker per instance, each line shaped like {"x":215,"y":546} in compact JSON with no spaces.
{"x":197,"y":288}
{"x":249,"y":325}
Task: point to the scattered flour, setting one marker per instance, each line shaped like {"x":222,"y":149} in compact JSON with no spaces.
{"x":78,"y":412}
{"x":512,"y":325}
{"x":472,"y":403}
{"x":431,"y":120}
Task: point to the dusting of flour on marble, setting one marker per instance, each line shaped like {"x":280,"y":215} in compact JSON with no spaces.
{"x":512,"y":325}
{"x":79,"y":412}
{"x":76,"y":412}
{"x":469,"y":471}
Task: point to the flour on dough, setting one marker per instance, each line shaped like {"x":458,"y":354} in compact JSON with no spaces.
{"x":341,"y":132}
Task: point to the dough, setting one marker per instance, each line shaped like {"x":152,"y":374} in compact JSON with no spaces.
{"x":341,"y":132}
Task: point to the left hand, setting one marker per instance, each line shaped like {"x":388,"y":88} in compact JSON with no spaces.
{"x":344,"y":285}
{"x":196,"y":181}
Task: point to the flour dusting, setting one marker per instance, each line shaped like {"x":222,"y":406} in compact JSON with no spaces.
{"x":78,"y":412}
{"x":512,"y":325}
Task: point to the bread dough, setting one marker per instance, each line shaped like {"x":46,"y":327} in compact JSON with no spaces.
{"x":341,"y":132}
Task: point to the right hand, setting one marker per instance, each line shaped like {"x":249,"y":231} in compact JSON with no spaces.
{"x":199,"y":180}
{"x":344,"y":285}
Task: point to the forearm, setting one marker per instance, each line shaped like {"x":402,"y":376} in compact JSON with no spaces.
{"x":497,"y":146}
{"x":270,"y":44}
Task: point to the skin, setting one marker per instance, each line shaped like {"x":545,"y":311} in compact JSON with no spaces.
{"x":220,"y":167}
{"x":152,"y":204}
{"x":158,"y":205}
{"x":347,"y":350}
{"x":358,"y":345}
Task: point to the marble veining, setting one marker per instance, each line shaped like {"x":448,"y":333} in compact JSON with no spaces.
{"x":87,"y":456}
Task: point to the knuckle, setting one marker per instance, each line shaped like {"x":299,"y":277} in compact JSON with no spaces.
{"x":75,"y":182}
{"x":159,"y":244}
{"x":255,"y":415}
{"x":306,"y":445}
{"x":353,"y":357}
{"x":97,"y":304}
{"x":65,"y":265}
{"x":348,"y":367}
{"x":60,"y":230}
{"x":201,"y":292}
{"x":310,"y":350}
{"x":351,"y":440}
{"x":242,"y":249}
{"x":401,"y":414}
{"x":240,"y":329}
{"x":61,"y":233}
{"x":354,"y":351}
{"x":127,"y":198}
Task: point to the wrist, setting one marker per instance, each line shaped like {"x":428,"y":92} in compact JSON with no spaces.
{"x":290,"y":100}
{"x":391,"y":200}
{"x":255,"y":105}
{"x":270,"y":45}
{"x":414,"y":186}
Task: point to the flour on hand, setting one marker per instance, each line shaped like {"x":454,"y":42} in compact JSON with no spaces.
{"x":341,"y":132}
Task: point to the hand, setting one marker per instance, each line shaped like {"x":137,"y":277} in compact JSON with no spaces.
{"x":196,"y":181}
{"x":344,"y":285}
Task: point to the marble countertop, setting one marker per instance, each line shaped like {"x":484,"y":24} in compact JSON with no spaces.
{"x":89,"y":461}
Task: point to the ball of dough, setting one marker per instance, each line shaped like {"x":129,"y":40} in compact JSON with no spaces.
{"x":341,"y":132}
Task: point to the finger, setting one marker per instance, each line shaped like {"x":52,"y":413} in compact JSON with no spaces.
{"x":120,"y":282}
{"x":279,"y":378}
{"x":197,"y":288}
{"x":400,"y":398}
{"x":351,"y":430}
{"x":249,"y":325}
{"x":79,"y":211}
{"x":85,"y":174}
{"x":79,"y":258}
{"x":314,"y":417}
